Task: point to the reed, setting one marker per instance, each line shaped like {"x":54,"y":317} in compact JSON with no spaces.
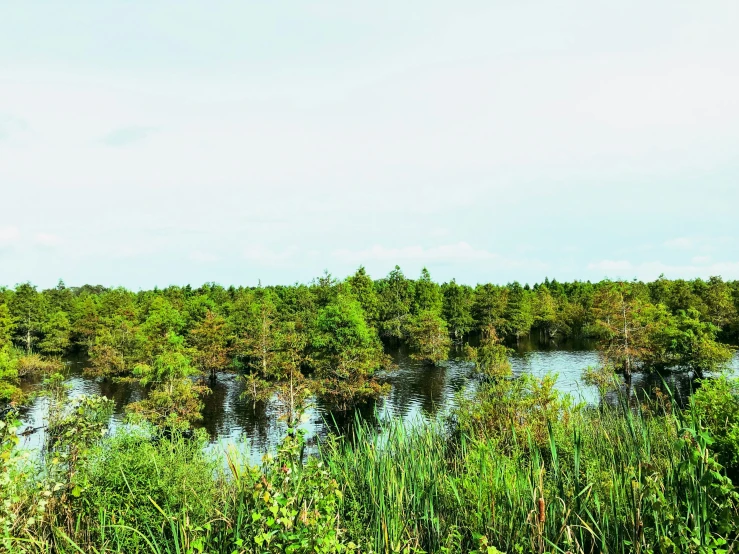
{"x":617,"y":479}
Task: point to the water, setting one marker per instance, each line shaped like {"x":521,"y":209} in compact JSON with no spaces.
{"x":417,"y":393}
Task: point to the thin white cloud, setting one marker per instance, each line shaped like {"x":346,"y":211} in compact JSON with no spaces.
{"x":203,"y":257}
{"x":126,"y":135}
{"x":611,"y":265}
{"x":440,"y":232}
{"x":700,"y":244}
{"x":460,"y":252}
{"x":647,"y":271}
{"x":9,"y":235}
{"x":264,"y":256}
{"x":10,"y":125}
{"x":47,"y":239}
{"x":682,"y":243}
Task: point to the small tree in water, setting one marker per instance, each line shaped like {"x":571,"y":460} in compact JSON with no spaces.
{"x":173,"y":400}
{"x":491,"y":357}
{"x":209,"y":340}
{"x":429,"y":338}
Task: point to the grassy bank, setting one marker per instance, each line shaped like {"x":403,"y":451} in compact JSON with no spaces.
{"x":519,"y":470}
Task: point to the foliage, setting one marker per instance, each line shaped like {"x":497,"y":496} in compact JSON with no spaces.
{"x":605,"y":481}
{"x":35,"y":363}
{"x":674,"y":325}
{"x":603,"y":377}
{"x":362,"y":288}
{"x":209,"y":341}
{"x":173,"y":400}
{"x":491,"y":357}
{"x":254,"y":321}
{"x":56,"y":331}
{"x":289,"y":505}
{"x":134,"y":478}
{"x":6,"y":326}
{"x":396,"y":301}
{"x":457,"y":308}
{"x":9,"y":390}
{"x":346,"y":351}
{"x":688,"y":343}
{"x":28,"y":308}
{"x":10,"y":480}
{"x":636,"y":334}
{"x":519,"y":312}
{"x":509,"y":409}
{"x":716,"y":403}
{"x":536,"y":474}
{"x":429,"y":337}
{"x":428,"y":295}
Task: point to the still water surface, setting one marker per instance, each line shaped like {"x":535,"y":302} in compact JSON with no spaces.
{"x":417,"y":393}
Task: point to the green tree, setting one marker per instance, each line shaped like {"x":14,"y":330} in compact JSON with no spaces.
{"x":255,"y":320}
{"x":345,"y":351}
{"x":119,"y":343}
{"x":396,"y":301}
{"x":56,"y":331}
{"x":363,"y":289}
{"x":6,"y":326}
{"x":429,"y":337}
{"x":550,"y":313}
{"x":9,"y":390}
{"x":163,"y":321}
{"x":209,"y":341}
{"x":622,"y":328}
{"x":489,"y":306}
{"x":28,"y":309}
{"x":719,"y":303}
{"x":687,"y":343}
{"x":491,"y":357}
{"x":59,"y":298}
{"x":292,"y":387}
{"x":85,"y":319}
{"x":682,"y":297}
{"x":325,"y":288}
{"x":519,"y":311}
{"x":457,"y":308}
{"x":173,"y":400}
{"x":428,"y":296}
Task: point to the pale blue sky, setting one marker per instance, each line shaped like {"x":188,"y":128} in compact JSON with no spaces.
{"x":155,"y":143}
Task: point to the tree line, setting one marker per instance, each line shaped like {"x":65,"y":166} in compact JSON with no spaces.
{"x":326,"y":338}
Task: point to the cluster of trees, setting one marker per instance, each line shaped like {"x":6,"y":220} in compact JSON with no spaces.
{"x":326,"y":338}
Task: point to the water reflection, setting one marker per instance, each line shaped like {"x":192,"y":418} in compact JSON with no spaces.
{"x":418,"y":392}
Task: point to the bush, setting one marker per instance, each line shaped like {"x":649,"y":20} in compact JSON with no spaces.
{"x":35,"y":363}
{"x":9,"y":391}
{"x":716,"y":403}
{"x":134,"y":480}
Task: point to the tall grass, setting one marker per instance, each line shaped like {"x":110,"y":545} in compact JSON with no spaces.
{"x":611,"y":481}
{"x":615,"y":480}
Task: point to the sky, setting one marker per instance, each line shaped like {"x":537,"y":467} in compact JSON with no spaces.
{"x":171,"y":142}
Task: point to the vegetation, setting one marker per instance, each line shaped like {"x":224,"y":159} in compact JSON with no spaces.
{"x":327,"y":335}
{"x":517,"y":468}
{"x":520,"y":469}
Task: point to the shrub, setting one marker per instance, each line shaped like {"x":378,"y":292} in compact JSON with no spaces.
{"x":716,"y":403}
